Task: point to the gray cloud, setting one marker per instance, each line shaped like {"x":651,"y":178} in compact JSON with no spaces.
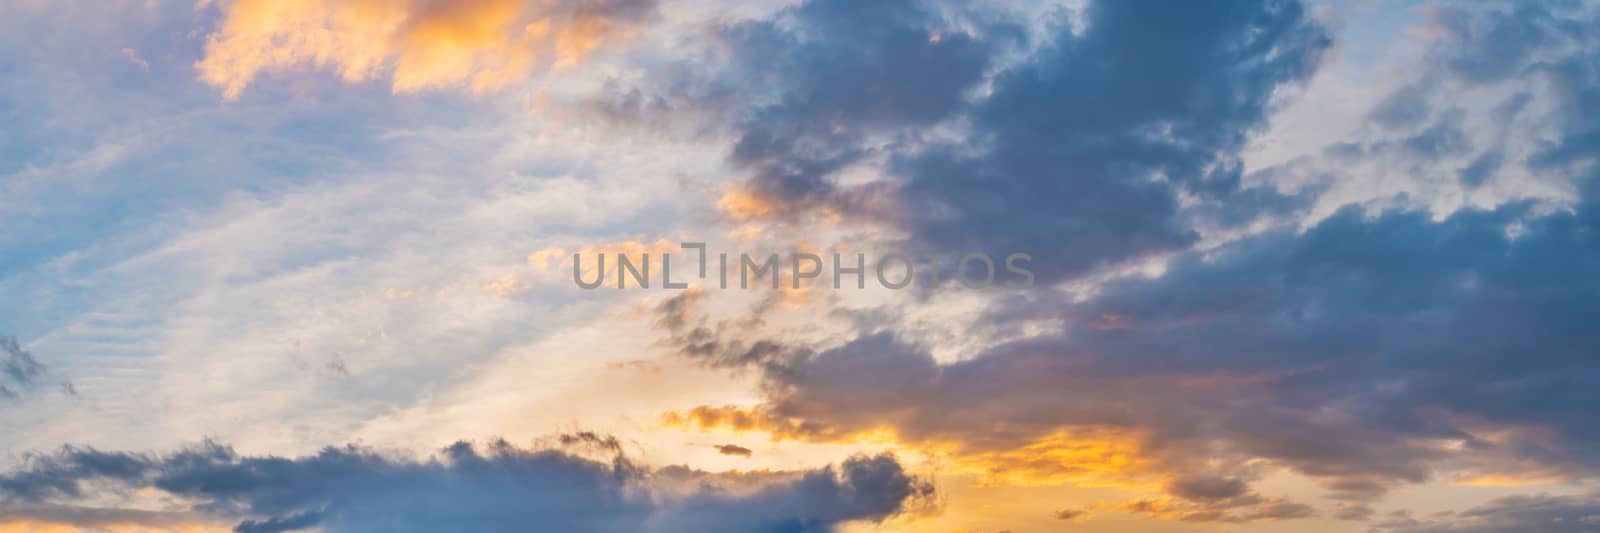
{"x":1543,"y":513}
{"x":1500,"y":42}
{"x":734,"y":449}
{"x":1354,"y":512}
{"x":1208,"y":488}
{"x":1406,"y":106}
{"x":1071,"y":514}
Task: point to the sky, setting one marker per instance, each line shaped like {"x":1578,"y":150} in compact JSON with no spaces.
{"x":1255,"y":266}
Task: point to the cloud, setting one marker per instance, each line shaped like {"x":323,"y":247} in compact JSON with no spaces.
{"x":133,"y":57}
{"x":1246,"y":510}
{"x":1065,"y":154}
{"x":734,"y":449}
{"x":1542,"y":512}
{"x":1365,"y":353}
{"x":1072,"y":515}
{"x":1206,"y":497}
{"x":839,"y":73}
{"x":494,"y":486}
{"x":1086,"y":148}
{"x":18,"y":368}
{"x":45,"y":517}
{"x":419,"y":44}
{"x":1499,"y":42}
{"x":1376,"y":347}
{"x":1368,"y":348}
{"x":1406,"y":106}
{"x":1354,"y":512}
{"x":1208,"y":488}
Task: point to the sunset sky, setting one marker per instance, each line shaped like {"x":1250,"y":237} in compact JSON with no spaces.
{"x":308,"y":265}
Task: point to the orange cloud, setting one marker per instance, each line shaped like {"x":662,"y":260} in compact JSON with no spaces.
{"x":1246,"y":510}
{"x":1092,"y":457}
{"x":739,"y":203}
{"x":739,"y":419}
{"x":636,"y":250}
{"x":29,"y":525}
{"x":1084,"y":457}
{"x":1518,"y":474}
{"x":551,"y":265}
{"x":728,"y":417}
{"x":422,"y":44}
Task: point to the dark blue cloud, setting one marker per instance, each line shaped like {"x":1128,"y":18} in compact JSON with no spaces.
{"x":1374,"y":348}
{"x":1077,"y":154}
{"x":837,"y":72}
{"x":1347,"y":353}
{"x":493,"y":487}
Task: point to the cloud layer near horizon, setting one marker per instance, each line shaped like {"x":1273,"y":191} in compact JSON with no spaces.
{"x":491,"y":487}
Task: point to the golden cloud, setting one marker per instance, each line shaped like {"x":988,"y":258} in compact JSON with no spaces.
{"x":483,"y":45}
